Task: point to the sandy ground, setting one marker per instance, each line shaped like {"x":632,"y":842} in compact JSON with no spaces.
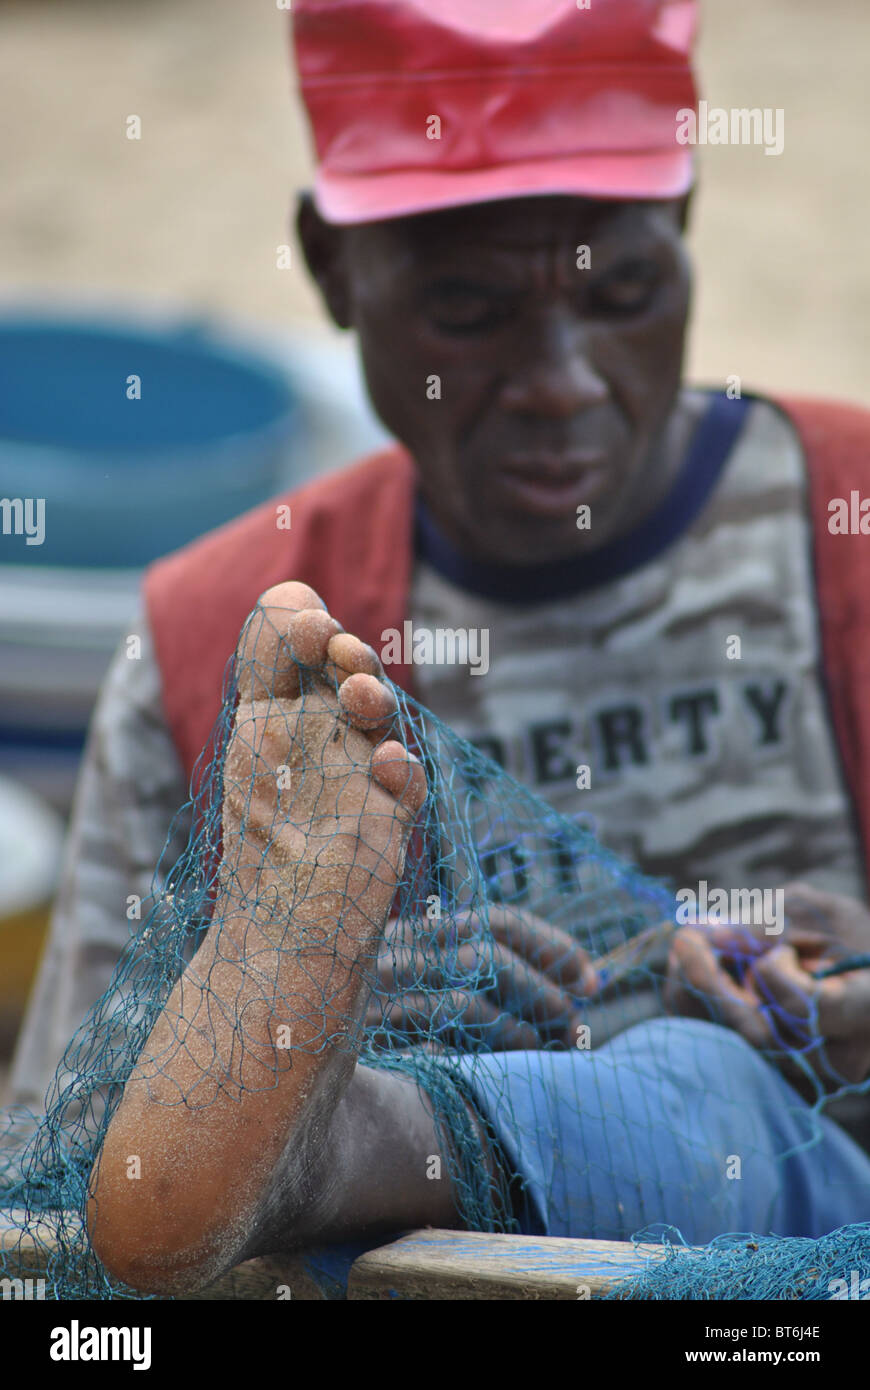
{"x":196,"y":208}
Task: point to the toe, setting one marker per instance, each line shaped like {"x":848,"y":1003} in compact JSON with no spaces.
{"x":309,"y":634}
{"x":353,"y":657}
{"x":263,"y":662}
{"x":400,"y":773}
{"x":293,"y":596}
{"x":264,"y":666}
{"x":368,"y":703}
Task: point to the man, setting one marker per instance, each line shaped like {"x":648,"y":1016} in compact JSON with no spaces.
{"x":246,"y":1147}
{"x":498,"y":213}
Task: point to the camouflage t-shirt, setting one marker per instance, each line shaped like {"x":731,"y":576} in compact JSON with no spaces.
{"x":673,"y":700}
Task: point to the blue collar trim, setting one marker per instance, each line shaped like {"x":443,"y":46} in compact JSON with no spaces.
{"x":711,"y":444}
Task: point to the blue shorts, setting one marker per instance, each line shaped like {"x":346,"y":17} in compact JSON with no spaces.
{"x":674,"y":1121}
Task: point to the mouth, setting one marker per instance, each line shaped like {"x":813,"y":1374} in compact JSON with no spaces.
{"x":551,"y":485}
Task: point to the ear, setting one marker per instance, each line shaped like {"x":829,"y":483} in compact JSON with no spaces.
{"x":323,"y":246}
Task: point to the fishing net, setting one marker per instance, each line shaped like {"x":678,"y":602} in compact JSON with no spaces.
{"x":309,"y":919}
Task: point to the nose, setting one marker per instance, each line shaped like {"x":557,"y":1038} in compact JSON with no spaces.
{"x":556,"y":376}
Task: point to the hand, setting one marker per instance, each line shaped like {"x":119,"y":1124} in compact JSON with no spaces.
{"x":764,"y":989}
{"x":513,"y":986}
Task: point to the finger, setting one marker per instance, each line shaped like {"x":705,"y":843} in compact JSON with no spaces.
{"x":467,"y":924}
{"x":844,"y":1006}
{"x":404,"y":969}
{"x":807,"y":909}
{"x":430,"y":937}
{"x":738,"y":942}
{"x":800,"y":896}
{"x":489,"y":970}
{"x":545,"y":947}
{"x":548,"y":949}
{"x":810,"y":1014}
{"x":694,"y":961}
{"x":525,"y":992}
{"x":790,"y":991}
{"x":680,"y":994}
{"x":445,"y":932}
{"x":453,"y":1019}
{"x":740,"y":947}
{"x":471,"y":1017}
{"x":409,"y":1016}
{"x":680,"y":1000}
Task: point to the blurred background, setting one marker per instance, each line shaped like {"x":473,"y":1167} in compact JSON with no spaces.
{"x":162,"y":254}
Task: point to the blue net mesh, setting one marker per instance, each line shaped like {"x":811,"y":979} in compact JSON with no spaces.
{"x":307,"y":919}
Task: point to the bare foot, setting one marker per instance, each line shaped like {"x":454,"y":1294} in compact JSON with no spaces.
{"x":318,"y":801}
{"x":249,"y":1056}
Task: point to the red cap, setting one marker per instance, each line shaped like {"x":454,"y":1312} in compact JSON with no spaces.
{"x":527,"y":97}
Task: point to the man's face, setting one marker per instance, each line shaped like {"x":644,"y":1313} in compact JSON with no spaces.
{"x":554,"y":381}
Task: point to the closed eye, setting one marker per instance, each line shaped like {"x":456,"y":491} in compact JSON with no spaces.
{"x":627,"y":289}
{"x":460,"y":306}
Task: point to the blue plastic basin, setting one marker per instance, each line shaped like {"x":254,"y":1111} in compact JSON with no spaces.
{"x":125,"y":480}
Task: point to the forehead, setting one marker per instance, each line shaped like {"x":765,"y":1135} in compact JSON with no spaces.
{"x":522,"y":225}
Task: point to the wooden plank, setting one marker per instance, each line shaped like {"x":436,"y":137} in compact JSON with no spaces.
{"x":436,"y":1264}
{"x":428,"y":1264}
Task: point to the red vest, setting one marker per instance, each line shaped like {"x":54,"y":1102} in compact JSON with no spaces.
{"x":351,"y":539}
